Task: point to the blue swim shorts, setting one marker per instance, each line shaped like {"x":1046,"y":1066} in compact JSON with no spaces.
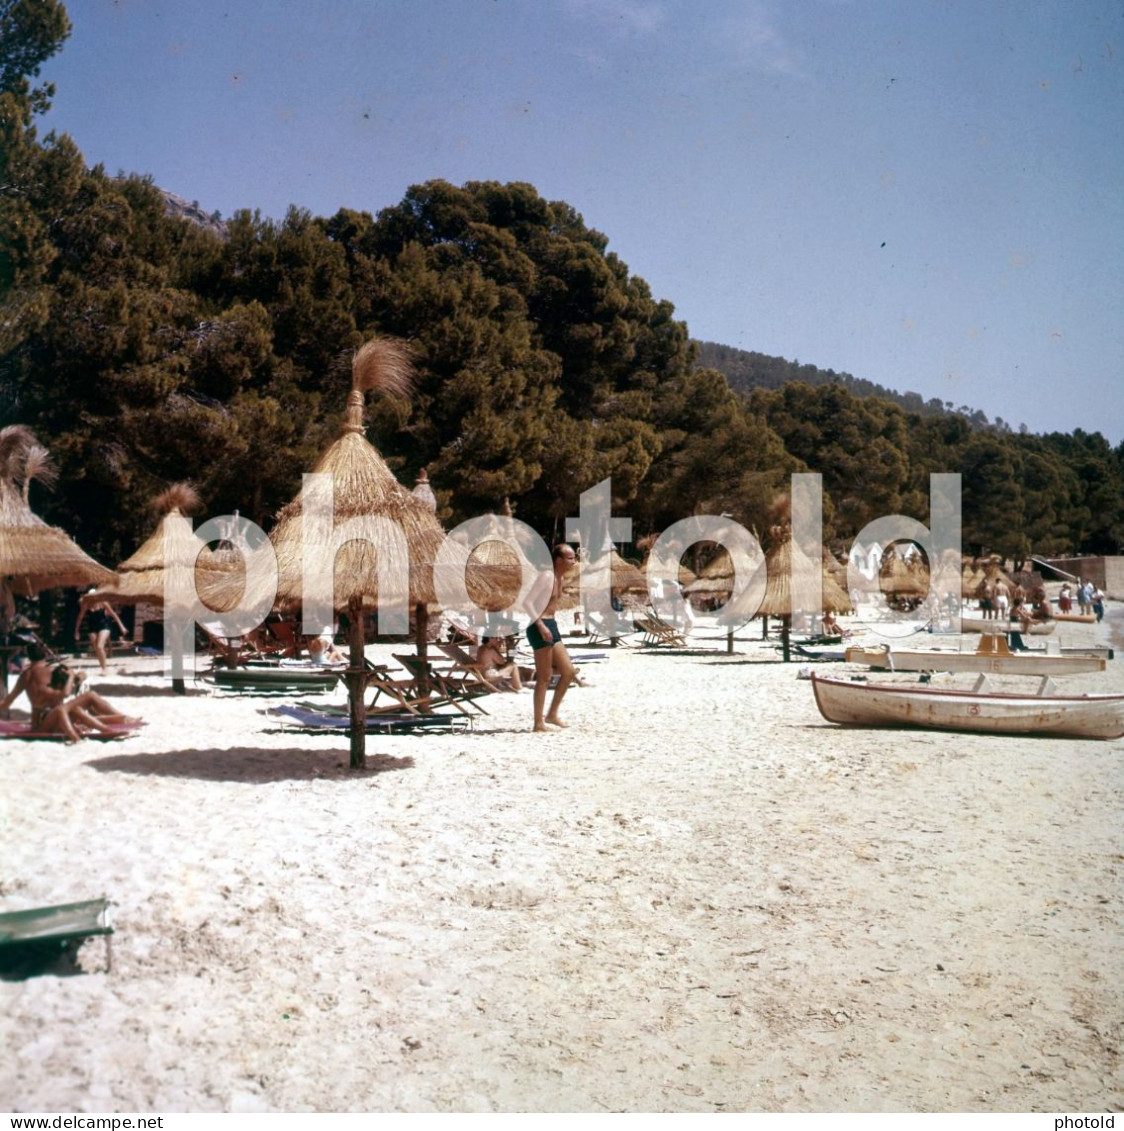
{"x":536,"y":638}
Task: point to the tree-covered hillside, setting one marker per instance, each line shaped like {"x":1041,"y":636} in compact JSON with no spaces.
{"x":747,"y":370}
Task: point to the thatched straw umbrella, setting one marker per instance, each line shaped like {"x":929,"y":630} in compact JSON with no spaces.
{"x":34,"y":555}
{"x":685,"y":576}
{"x":140,"y":579}
{"x":996,"y":574}
{"x":623,"y":578}
{"x":971,"y":578}
{"x":362,"y":487}
{"x":900,"y":579}
{"x":423,"y":492}
{"x":790,"y":570}
{"x":716,"y":577}
{"x":497,"y":565}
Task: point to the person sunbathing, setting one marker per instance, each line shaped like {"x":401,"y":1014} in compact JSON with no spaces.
{"x":322,"y":650}
{"x":494,"y":663}
{"x":57,"y":704}
{"x":830,"y":626}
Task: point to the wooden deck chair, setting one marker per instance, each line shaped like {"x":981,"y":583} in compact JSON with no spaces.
{"x":401,"y":693}
{"x":599,"y":635}
{"x":658,"y":632}
{"x":226,"y":651}
{"x":459,"y":692}
{"x":465,"y":666}
{"x":280,"y":638}
{"x":32,"y":939}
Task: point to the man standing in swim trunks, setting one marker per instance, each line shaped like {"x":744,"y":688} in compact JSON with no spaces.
{"x":551,"y":656}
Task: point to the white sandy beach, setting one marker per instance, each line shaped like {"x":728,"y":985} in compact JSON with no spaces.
{"x":701,"y":896}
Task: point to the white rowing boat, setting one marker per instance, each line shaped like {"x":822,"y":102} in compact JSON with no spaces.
{"x":992,"y":655}
{"x":995,"y":712}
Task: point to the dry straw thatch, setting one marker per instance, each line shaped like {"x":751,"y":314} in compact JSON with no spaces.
{"x":900,"y":579}
{"x":33,"y":554}
{"x":140,"y":578}
{"x":624,"y":578}
{"x":717,"y":576}
{"x":423,"y":492}
{"x":788,"y":571}
{"x":496,"y":568}
{"x":363,"y":486}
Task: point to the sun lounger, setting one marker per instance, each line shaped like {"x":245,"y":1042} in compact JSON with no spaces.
{"x":270,"y":680}
{"x":41,"y":934}
{"x":310,"y":719}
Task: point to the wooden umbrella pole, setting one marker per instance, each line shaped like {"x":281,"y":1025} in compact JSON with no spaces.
{"x":421,"y":641}
{"x":357,"y":684}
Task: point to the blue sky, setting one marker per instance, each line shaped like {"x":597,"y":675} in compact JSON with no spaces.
{"x":928,"y":194}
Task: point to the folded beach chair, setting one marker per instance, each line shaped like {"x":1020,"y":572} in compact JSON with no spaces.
{"x":38,"y":936}
{"x":465,"y":666}
{"x":658,"y":632}
{"x":460,"y":693}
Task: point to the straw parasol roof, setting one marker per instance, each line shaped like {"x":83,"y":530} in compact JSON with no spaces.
{"x":971,"y":578}
{"x":140,"y":578}
{"x":496,"y":565}
{"x":899,"y":578}
{"x":995,"y":573}
{"x":790,"y":570}
{"x":34,"y":555}
{"x":686,"y":576}
{"x":360,"y":486}
{"x":423,"y":492}
{"x":788,"y":566}
{"x":717,"y":576}
{"x":624,"y":577}
{"x":836,"y":568}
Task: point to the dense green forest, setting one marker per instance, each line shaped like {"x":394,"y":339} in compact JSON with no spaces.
{"x":145,"y":348}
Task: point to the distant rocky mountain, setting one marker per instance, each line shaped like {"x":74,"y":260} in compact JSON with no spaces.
{"x":191,"y":210}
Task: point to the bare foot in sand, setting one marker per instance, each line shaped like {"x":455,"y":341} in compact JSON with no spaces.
{"x":555,"y":721}
{"x":539,"y":726}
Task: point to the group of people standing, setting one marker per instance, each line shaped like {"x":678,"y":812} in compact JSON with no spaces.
{"x":1090,"y":599}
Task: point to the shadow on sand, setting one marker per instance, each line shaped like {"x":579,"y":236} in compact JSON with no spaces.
{"x":251,"y":765}
{"x":138,"y":691}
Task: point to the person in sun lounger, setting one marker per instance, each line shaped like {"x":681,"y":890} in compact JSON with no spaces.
{"x":494,"y":663}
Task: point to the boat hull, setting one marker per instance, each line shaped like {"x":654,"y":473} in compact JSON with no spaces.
{"x":891,"y":659}
{"x":978,"y":624}
{"x":910,"y":705}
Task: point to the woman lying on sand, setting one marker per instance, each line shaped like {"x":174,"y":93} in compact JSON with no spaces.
{"x":56,"y":705}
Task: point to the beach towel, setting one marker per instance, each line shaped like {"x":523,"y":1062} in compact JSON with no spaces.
{"x":11,"y":728}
